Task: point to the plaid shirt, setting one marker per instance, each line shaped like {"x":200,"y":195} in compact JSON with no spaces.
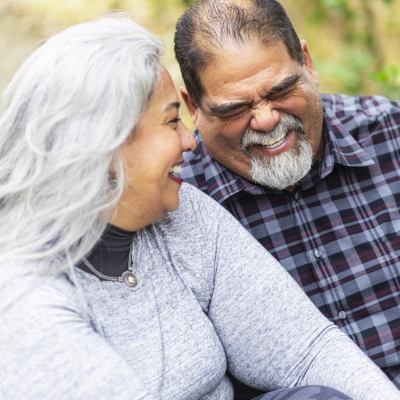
{"x":337,"y":234}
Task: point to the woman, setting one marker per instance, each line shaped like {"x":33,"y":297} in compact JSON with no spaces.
{"x":118,"y":283}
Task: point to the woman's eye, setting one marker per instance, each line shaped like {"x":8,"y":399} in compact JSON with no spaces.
{"x":174,"y":122}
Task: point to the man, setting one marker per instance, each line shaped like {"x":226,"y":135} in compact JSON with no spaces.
{"x":316,"y":179}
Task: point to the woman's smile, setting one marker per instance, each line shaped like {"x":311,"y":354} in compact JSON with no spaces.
{"x":176,"y":169}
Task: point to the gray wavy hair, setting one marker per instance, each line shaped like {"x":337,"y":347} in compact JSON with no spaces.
{"x":63,"y":117}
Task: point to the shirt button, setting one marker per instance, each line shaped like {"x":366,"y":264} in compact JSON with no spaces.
{"x":296,"y":196}
{"x":342,"y":314}
{"x":317,"y":253}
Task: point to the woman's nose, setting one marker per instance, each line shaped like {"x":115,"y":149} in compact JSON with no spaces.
{"x":188,"y":141}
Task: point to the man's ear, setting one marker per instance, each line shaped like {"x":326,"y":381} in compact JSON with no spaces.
{"x":308,"y":61}
{"x":190,"y":105}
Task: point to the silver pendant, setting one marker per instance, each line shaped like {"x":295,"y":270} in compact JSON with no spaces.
{"x":129,"y":280}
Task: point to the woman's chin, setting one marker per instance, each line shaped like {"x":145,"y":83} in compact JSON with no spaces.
{"x":173,"y":204}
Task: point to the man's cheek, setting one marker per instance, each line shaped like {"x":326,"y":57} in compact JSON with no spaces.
{"x":233,"y":131}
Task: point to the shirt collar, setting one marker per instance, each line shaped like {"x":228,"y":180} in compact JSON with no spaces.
{"x":340,"y":146}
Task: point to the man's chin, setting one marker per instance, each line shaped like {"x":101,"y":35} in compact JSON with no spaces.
{"x":279,"y":177}
{"x":273,"y":185}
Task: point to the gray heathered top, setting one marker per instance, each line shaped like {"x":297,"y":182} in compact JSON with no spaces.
{"x":210,"y":297}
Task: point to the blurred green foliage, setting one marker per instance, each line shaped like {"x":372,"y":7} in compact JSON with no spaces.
{"x":187,"y":3}
{"x":362,"y":61}
{"x":354,"y":43}
{"x":359,"y":63}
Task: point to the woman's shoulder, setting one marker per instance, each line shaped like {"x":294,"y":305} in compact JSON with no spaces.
{"x":196,"y":219}
{"x":198,"y":206}
{"x":33,"y":297}
{"x":185,"y":227}
{"x":199,"y":221}
{"x":38,"y":308}
{"x":190,"y":195}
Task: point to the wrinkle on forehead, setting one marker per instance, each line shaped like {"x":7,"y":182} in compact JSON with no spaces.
{"x":247,"y":72}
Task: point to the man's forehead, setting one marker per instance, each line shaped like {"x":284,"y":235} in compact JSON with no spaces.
{"x":246,"y":68}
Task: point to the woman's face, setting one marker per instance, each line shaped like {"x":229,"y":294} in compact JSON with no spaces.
{"x":151,"y":155}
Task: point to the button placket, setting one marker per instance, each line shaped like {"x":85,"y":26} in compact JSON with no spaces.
{"x":342,"y":314}
{"x":317,"y":253}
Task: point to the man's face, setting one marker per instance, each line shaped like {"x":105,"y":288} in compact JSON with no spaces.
{"x":261,"y":114}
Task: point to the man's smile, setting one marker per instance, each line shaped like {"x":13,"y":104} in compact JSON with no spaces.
{"x":272,"y":142}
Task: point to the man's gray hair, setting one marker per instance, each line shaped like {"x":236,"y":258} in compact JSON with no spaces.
{"x":210,"y":27}
{"x":63,"y":117}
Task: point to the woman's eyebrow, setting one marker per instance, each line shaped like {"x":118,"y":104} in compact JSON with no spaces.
{"x":175,"y":104}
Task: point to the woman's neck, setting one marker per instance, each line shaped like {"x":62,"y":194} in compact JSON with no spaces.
{"x":110,"y":256}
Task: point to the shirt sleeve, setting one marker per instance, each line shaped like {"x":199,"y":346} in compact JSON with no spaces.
{"x":273,"y":336}
{"x":49,"y":351}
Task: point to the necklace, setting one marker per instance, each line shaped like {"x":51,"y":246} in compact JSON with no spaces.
{"x":128,"y":278}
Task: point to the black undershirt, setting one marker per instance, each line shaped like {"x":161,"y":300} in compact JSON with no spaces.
{"x":110,"y":256}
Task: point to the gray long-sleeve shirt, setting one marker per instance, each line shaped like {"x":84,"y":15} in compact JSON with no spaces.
{"x":209,"y":298}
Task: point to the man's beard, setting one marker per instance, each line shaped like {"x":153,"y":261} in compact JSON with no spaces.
{"x":283,"y":170}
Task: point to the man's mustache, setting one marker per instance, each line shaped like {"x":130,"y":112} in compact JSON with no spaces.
{"x":286,"y":123}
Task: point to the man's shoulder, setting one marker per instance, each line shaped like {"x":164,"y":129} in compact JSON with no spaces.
{"x":193,"y":168}
{"x":371,"y":106}
{"x":361,"y":117}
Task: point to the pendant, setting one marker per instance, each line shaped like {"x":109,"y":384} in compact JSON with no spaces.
{"x":129,"y":280}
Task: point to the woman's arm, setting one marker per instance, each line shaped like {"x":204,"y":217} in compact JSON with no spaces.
{"x":49,"y":351}
{"x":273,"y":335}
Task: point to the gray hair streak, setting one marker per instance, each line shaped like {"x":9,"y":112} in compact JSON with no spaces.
{"x":63,"y":117}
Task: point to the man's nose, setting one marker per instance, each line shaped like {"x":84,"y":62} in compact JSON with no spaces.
{"x":264,"y":117}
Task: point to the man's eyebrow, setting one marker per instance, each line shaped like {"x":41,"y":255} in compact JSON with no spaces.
{"x":280,"y":87}
{"x":287,"y":83}
{"x":172,"y":105}
{"x":228,"y":107}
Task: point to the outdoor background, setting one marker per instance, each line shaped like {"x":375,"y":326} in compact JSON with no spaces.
{"x":355,"y":44}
